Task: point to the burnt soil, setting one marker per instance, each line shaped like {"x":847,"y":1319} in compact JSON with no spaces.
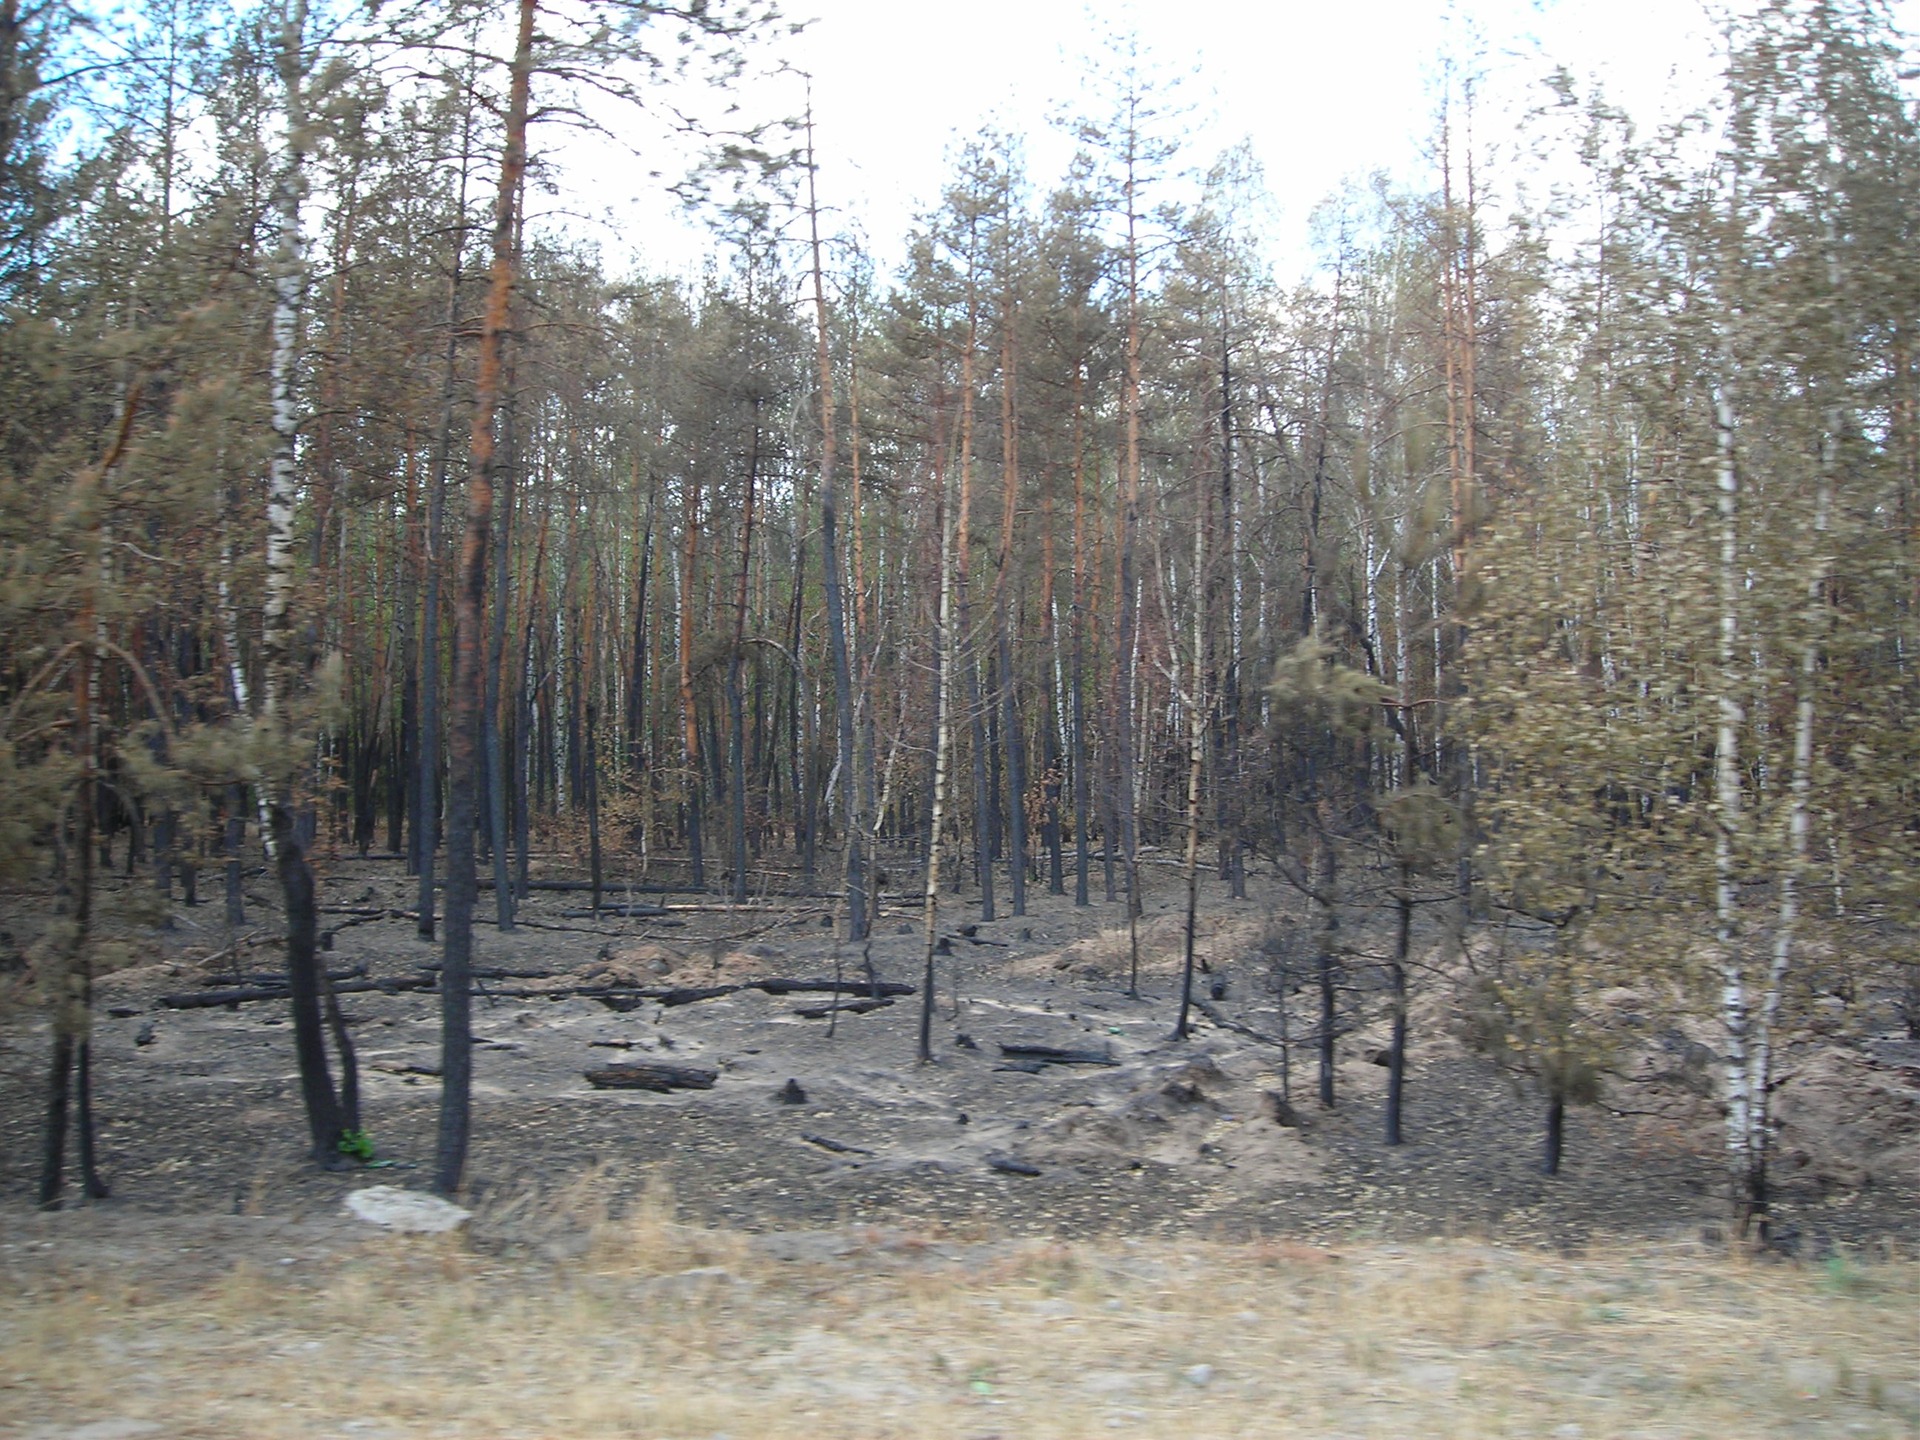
{"x":199,"y":1109}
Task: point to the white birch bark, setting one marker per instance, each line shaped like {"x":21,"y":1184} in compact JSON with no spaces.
{"x":942,"y":746}
{"x":1196,"y":757}
{"x":1736,"y":1001}
{"x":289,"y":263}
{"x":1402,"y":675}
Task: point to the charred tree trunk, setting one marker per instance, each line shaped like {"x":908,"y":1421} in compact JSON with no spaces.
{"x":1397,"y":975}
{"x":590,"y":795}
{"x":839,"y":641}
{"x":324,"y":1124}
{"x":456,"y":974}
{"x":963,"y":641}
{"x":500,"y":783}
{"x":73,"y":1014}
{"x":406,"y":740}
{"x":1326,"y":941}
{"x":1556,"y":1133}
{"x":426,"y":805}
{"x":736,"y":664}
{"x":1012,"y":742}
{"x":690,"y":761}
{"x":523,"y":717}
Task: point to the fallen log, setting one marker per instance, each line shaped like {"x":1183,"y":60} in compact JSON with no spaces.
{"x":527,"y":924}
{"x":651,"y":1075}
{"x":875,"y":988}
{"x":269,"y":979}
{"x":750,"y":906}
{"x":618,"y":997}
{"x":1055,"y":1055}
{"x":636,"y":911}
{"x":494,"y":972}
{"x":844,"y":1007}
{"x":1010,"y":1165}
{"x":390,"y":1067}
{"x":837,"y":1147}
{"x":246,"y":994}
{"x":688,"y":994}
{"x":622,"y":997}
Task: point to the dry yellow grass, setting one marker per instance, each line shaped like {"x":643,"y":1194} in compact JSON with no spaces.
{"x":646,"y":1329}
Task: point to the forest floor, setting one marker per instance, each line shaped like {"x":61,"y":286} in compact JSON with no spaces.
{"x":960,"y":1248}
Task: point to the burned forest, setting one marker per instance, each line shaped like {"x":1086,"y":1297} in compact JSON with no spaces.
{"x":1055,"y":720}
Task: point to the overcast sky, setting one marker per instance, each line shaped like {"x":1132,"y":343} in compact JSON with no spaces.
{"x":1323,"y":91}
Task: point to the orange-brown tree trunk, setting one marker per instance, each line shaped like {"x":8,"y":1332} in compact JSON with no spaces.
{"x":469,"y":670}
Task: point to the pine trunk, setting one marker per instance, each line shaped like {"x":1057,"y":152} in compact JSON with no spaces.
{"x":1012,"y":741}
{"x":854,"y":786}
{"x":456,"y":973}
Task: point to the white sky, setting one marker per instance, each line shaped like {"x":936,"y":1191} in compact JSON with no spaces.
{"x":1323,"y":91}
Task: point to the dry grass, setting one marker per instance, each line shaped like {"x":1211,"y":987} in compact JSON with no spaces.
{"x":640,"y":1327}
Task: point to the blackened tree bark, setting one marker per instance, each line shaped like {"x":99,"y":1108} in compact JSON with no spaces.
{"x":324,"y":1122}
{"x":428,"y":781}
{"x":689,"y":713}
{"x":1556,"y":1132}
{"x":523,"y":716}
{"x":1397,"y":993}
{"x":1012,"y":742}
{"x":737,"y":657}
{"x":456,"y":971}
{"x":1326,"y":957}
{"x":500,"y":780}
{"x":590,"y":794}
{"x":642,"y":743}
{"x":74,"y":1005}
{"x":406,"y":739}
{"x":963,"y":646}
{"x":502,"y":794}
{"x":851,"y":780}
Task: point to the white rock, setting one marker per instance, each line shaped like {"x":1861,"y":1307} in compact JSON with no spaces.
{"x":406,"y":1210}
{"x":1199,"y":1376}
